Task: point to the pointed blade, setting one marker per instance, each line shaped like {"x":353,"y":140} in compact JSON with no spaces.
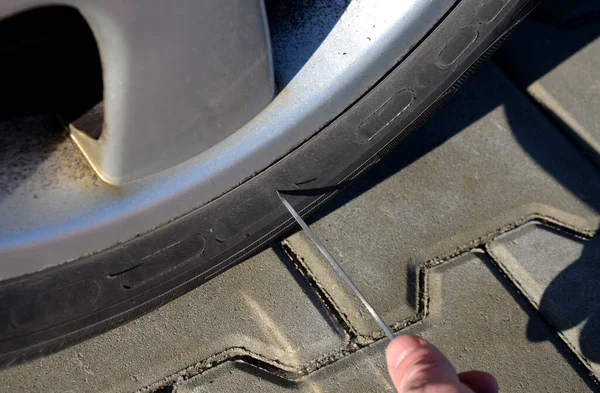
{"x":336,"y":266}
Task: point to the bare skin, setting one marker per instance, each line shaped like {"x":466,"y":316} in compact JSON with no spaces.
{"x":416,"y":366}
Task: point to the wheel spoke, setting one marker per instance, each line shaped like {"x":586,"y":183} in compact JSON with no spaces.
{"x":178,"y":78}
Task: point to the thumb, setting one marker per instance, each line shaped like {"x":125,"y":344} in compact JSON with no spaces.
{"x":417,"y":366}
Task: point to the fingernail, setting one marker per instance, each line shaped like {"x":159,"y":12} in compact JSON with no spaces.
{"x":404,"y":354}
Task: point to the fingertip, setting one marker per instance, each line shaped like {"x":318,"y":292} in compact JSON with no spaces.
{"x":414,"y":363}
{"x":480,"y":381}
{"x":400,"y":347}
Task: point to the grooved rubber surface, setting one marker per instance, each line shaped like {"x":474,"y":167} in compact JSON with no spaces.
{"x":559,"y":69}
{"x":484,"y":163}
{"x":496,"y":343}
{"x":559,"y":273}
{"x":464,"y":305}
{"x":261,"y":309}
{"x":142,"y":274}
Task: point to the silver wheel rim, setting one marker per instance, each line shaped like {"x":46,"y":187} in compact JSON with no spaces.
{"x":353,"y":45}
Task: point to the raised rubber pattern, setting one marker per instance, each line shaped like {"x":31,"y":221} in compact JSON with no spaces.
{"x":48,"y":310}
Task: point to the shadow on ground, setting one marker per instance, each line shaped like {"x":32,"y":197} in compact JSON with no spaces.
{"x":573,"y":297}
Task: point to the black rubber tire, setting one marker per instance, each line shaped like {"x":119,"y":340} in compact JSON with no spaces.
{"x":48,"y":310}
